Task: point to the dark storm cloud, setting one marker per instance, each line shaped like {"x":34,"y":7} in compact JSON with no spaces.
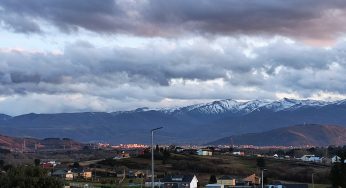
{"x":308,"y":19}
{"x":143,"y":72}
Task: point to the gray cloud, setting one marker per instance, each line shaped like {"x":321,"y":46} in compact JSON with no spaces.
{"x":143,"y":73}
{"x":308,"y":20}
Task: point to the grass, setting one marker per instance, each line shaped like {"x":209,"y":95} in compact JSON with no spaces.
{"x":204,"y":166}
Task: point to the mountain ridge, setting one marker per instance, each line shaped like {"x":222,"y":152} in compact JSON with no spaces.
{"x":194,"y":124}
{"x":297,"y":135}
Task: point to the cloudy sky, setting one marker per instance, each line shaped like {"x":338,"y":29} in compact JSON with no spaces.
{"x":109,"y":55}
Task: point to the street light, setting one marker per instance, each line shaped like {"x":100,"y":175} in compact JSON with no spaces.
{"x":152,"y":155}
{"x":312,"y":180}
{"x":262,"y":175}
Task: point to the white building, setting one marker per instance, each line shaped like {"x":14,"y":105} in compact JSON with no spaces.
{"x":180,"y":181}
{"x":311,"y":158}
{"x":214,"y":186}
{"x":336,"y":159}
{"x":204,"y":152}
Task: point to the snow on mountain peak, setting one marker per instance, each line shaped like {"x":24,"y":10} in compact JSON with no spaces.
{"x":234,"y":106}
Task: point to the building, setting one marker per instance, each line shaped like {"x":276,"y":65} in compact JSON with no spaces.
{"x":240,"y":153}
{"x":122,"y":155}
{"x":180,"y":181}
{"x":214,"y":186}
{"x":287,"y":185}
{"x":336,"y":159}
{"x":69,"y":175}
{"x":227,"y":181}
{"x":87,"y":174}
{"x":61,"y":173}
{"x":204,"y":152}
{"x":157,"y":183}
{"x":311,"y":158}
{"x":252,"y":180}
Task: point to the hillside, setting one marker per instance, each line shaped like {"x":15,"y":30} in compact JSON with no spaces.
{"x":14,"y":143}
{"x":299,"y":135}
{"x":194,"y":124}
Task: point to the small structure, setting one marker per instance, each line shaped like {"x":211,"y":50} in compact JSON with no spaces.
{"x":336,"y":159}
{"x":240,"y":153}
{"x":287,"y":185}
{"x":204,"y":152}
{"x":69,"y":175}
{"x":214,"y":186}
{"x":179,"y":149}
{"x":87,"y":174}
{"x":139,"y":174}
{"x":61,"y":173}
{"x":311,"y":158}
{"x":180,"y":181}
{"x":122,"y":155}
{"x":252,"y":180}
{"x":227,"y":181}
{"x":157,"y":183}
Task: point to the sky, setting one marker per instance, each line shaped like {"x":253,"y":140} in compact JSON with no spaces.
{"x":109,"y":55}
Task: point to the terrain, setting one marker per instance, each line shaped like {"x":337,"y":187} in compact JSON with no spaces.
{"x":194,"y":124}
{"x":299,"y":135}
{"x":31,"y":144}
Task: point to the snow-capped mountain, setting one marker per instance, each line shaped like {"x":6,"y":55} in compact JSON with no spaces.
{"x":241,"y":107}
{"x":191,"y":124}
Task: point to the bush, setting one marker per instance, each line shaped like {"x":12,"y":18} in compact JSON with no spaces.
{"x":28,"y":177}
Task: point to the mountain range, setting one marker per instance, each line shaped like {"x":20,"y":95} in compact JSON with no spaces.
{"x":193,"y":124}
{"x":298,"y":135}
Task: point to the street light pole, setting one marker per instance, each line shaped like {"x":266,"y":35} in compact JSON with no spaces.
{"x":312,"y":180}
{"x":262,"y":179}
{"x":152,"y":155}
{"x":262,"y":176}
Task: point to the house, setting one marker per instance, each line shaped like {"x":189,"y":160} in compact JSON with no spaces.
{"x":311,"y":158}
{"x":287,"y":185}
{"x":69,"y":175}
{"x":336,"y":159}
{"x":214,"y":186}
{"x":204,"y":152}
{"x":157,"y":183}
{"x":180,"y":181}
{"x":87,"y":174}
{"x":252,"y":180}
{"x":240,"y":153}
{"x":139,"y":174}
{"x":227,"y":181}
{"x":179,"y":149}
{"x":61,"y":173}
{"x":122,"y":155}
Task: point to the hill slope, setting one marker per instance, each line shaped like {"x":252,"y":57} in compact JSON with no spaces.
{"x":299,"y":135}
{"x":14,"y":143}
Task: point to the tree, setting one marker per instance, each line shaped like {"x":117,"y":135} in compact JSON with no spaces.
{"x":338,"y":174}
{"x":28,"y":176}
{"x":338,"y":171}
{"x":2,"y":163}
{"x":75,"y":165}
{"x":261,"y":163}
{"x":37,"y":162}
{"x":212,"y":179}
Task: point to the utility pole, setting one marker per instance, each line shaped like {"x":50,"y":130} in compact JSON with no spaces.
{"x":262,"y":176}
{"x":152,"y":155}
